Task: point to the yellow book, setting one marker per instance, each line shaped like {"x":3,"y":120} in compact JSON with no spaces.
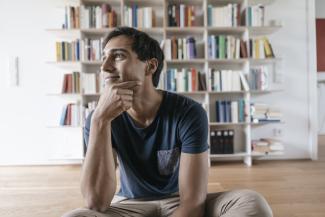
{"x":58,"y":51}
{"x":257,"y":48}
{"x":268,"y":49}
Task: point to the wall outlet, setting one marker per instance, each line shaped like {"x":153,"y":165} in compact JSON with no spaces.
{"x":277,"y":132}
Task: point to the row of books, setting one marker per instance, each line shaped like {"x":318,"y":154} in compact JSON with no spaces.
{"x":255,"y":15}
{"x":144,"y":17}
{"x":180,"y":48}
{"x":226,"y":80}
{"x":262,"y":113}
{"x":224,"y":16}
{"x":92,"y":83}
{"x":267,"y":145}
{"x":74,"y":114}
{"x":85,"y":49}
{"x":228,"y":111}
{"x":222,"y":141}
{"x":91,"y":49}
{"x":260,"y":48}
{"x":68,"y":51}
{"x":71,"y":114}
{"x":181,"y":15}
{"x":185,"y":80}
{"x":225,"y":47}
{"x":99,"y":16}
{"x":71,"y":83}
{"x":259,"y":78}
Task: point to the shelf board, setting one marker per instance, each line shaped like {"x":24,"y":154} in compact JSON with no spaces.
{"x":227,"y":92}
{"x":265,"y":123}
{"x":262,"y":2}
{"x":239,"y":154}
{"x":227,"y":124}
{"x":275,"y":153}
{"x":94,"y":62}
{"x":264,"y":61}
{"x":228,"y":30}
{"x":194,"y":29}
{"x":265,"y":91}
{"x":185,"y":61}
{"x":191,"y":92}
{"x":262,"y":30}
{"x":228,"y":61}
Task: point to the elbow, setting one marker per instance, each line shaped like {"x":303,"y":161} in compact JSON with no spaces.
{"x":97,"y":204}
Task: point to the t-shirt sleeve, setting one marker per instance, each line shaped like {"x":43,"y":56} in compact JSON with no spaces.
{"x":193,"y":130}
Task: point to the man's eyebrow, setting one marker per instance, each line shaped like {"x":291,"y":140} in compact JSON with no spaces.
{"x":115,"y":50}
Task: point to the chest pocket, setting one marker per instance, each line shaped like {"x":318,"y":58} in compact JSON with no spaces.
{"x":168,"y":161}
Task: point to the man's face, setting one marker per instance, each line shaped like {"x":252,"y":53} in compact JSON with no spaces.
{"x":120,"y":63}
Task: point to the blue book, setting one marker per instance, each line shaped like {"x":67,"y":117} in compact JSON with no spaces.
{"x":63,"y":115}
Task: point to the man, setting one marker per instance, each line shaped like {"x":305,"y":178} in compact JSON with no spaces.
{"x":160,"y":139}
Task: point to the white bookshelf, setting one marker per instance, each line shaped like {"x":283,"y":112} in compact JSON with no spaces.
{"x":161,"y":32}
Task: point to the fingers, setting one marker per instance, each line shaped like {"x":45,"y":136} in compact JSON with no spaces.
{"x":121,"y":91}
{"x":128,"y":84}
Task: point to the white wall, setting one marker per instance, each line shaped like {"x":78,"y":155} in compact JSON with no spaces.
{"x":26,"y":110}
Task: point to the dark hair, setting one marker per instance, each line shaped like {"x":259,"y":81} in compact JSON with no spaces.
{"x":143,"y":45}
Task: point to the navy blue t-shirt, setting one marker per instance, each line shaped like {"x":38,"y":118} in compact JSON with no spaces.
{"x":149,"y":157}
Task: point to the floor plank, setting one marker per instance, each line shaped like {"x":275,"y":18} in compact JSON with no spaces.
{"x":293,"y":188}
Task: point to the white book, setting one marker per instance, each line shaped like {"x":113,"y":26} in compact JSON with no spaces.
{"x":182,"y":15}
{"x":261,"y":46}
{"x":210,"y":71}
{"x":224,"y":80}
{"x":213,"y":46}
{"x":141,"y":15}
{"x":216,"y":81}
{"x":235,"y":81}
{"x":185,"y":54}
{"x":130,"y":17}
{"x":99,"y":16}
{"x":189,"y":81}
{"x":168,"y":49}
{"x":234,"y":112}
{"x":243,"y":81}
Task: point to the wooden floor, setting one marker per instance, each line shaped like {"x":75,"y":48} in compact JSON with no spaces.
{"x":293,"y":188}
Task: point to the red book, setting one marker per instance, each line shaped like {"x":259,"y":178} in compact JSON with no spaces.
{"x":67,"y":120}
{"x":69,"y":85}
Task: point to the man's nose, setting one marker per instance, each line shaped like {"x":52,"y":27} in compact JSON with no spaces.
{"x":108,"y":66}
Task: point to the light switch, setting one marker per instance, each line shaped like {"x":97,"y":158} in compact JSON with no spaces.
{"x":13,"y":71}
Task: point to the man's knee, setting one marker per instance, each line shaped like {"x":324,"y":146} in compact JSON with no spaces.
{"x":255,"y":202}
{"x":83,"y":212}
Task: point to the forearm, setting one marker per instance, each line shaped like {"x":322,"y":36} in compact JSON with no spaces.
{"x":98,"y":178}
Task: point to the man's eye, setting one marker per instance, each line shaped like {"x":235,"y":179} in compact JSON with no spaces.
{"x":118,"y":56}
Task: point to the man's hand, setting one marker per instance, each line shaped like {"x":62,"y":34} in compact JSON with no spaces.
{"x":116,"y":98}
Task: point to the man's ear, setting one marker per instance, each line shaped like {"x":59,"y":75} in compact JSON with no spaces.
{"x":151,"y":66}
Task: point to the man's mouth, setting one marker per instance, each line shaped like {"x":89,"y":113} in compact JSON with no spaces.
{"x":112,"y":77}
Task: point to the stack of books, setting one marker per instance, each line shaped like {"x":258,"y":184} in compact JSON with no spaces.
{"x":92,"y":49}
{"x":267,"y":145}
{"x":71,"y":17}
{"x":71,"y":115}
{"x":262,"y":113}
{"x":226,"y":80}
{"x":255,"y":15}
{"x":68,"y":51}
{"x":92,"y":83}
